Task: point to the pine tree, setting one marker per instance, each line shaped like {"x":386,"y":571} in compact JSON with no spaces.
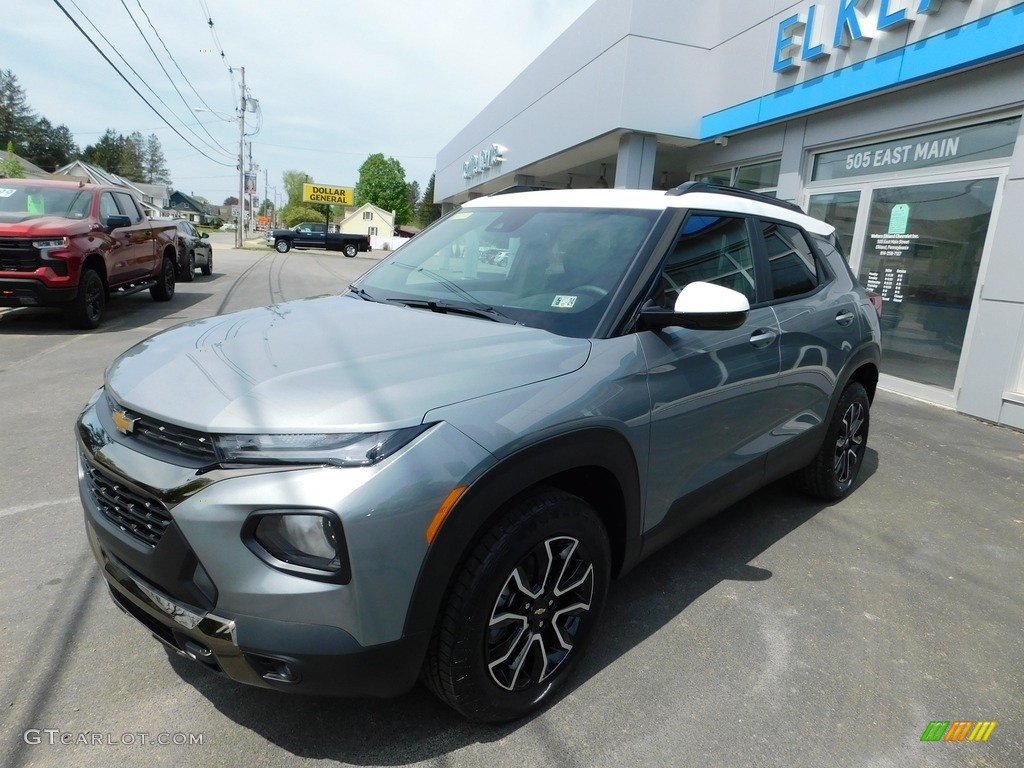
{"x":16,"y":118}
{"x":427,"y":211}
{"x":156,"y":171}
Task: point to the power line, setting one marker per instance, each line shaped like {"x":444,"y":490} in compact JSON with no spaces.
{"x":173,"y":61}
{"x":131,"y":85}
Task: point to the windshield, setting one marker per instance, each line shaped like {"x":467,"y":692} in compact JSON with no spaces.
{"x":25,"y":202}
{"x":551,"y":268}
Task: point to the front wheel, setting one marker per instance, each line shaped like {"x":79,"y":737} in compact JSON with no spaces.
{"x":188,"y":274}
{"x":350,"y":250}
{"x":832,"y":473}
{"x":207,"y":269}
{"x":282,"y":246}
{"x":164,"y":288}
{"x":522,"y":610}
{"x":86,"y":311}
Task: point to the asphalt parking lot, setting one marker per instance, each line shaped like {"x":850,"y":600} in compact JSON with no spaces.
{"x":785,"y":632}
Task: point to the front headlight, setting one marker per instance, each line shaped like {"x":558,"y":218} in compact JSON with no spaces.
{"x":342,"y":450}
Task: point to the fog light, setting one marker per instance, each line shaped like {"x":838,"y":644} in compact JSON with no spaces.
{"x":306,"y":542}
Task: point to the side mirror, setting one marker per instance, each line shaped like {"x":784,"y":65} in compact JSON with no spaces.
{"x":700,"y":306}
{"x":204,"y":235}
{"x":117,"y":221}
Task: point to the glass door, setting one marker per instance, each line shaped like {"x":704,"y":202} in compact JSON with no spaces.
{"x":922,"y":252}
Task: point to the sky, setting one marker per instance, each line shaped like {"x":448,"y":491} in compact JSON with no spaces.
{"x":336,"y":81}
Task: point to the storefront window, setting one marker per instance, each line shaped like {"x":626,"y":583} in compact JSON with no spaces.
{"x":758,"y":177}
{"x":922,"y":253}
{"x":761,"y":177}
{"x":840,"y":210}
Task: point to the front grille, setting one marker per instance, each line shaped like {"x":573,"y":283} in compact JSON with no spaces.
{"x":138,"y":514}
{"x":169,"y":437}
{"x":18,"y":255}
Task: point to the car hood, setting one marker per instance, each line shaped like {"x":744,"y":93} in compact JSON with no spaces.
{"x":36,"y":225}
{"x":331,"y":364}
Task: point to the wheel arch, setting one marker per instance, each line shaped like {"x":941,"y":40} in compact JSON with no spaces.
{"x":95,"y":262}
{"x":596,"y":464}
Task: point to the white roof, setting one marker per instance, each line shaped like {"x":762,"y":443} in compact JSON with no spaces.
{"x":651,"y":200}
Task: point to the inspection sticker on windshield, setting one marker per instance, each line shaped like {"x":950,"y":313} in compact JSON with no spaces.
{"x":6,"y":191}
{"x":564,"y":302}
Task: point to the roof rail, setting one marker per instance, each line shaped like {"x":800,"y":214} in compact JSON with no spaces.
{"x":722,"y":189}
{"x":519,"y":188}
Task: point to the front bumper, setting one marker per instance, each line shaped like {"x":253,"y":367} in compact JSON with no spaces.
{"x":31,"y":292}
{"x":306,"y":658}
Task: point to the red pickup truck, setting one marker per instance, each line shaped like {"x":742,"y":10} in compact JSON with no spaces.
{"x":72,"y":244}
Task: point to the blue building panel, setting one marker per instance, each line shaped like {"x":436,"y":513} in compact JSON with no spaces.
{"x":992,"y":37}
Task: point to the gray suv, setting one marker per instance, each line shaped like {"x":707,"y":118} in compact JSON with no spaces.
{"x":437,"y":473}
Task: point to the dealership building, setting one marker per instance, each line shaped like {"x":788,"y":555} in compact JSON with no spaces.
{"x":898,"y":121}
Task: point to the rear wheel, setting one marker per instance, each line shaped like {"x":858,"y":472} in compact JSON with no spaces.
{"x":350,"y":250}
{"x":164,"y":288}
{"x":86,"y":311}
{"x":835,"y":468}
{"x":522,"y":610}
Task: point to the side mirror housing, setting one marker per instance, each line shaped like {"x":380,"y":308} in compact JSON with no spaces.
{"x":117,"y":221}
{"x":699,"y":306}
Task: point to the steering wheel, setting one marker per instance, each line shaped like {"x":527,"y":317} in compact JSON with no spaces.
{"x":590,"y":290}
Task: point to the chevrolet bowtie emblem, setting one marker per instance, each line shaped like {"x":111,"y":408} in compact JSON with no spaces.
{"x":123,"y":421}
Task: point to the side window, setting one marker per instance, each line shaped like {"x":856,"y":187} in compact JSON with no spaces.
{"x":792,"y":265}
{"x":128,"y":207}
{"x":713,"y":248}
{"x":107,"y":207}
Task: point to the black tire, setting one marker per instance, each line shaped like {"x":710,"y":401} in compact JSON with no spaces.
{"x":188,"y":274}
{"x":350,"y":250}
{"x":834,"y":470}
{"x":522,"y":609}
{"x":86,"y":311}
{"x":207,"y":270}
{"x":282,"y":246}
{"x":164,"y":288}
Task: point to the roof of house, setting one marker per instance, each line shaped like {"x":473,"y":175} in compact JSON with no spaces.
{"x":31,"y":171}
{"x":97,"y":175}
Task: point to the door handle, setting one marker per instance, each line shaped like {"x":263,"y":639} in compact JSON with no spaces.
{"x":762,"y":337}
{"x":844,"y":317}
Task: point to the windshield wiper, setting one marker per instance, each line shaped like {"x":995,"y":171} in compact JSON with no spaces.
{"x":361,"y":293}
{"x":444,"y":307}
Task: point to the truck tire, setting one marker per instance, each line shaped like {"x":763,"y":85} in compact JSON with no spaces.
{"x":86,"y":311}
{"x":164,"y":288}
{"x":350,"y":250}
{"x":282,"y":246}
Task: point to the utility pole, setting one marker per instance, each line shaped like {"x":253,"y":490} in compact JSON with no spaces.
{"x":239,"y":231}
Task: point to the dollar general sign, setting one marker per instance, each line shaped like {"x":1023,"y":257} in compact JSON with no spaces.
{"x":321,"y":193}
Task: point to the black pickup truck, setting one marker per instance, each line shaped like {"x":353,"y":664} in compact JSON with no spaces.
{"x":313,"y":234}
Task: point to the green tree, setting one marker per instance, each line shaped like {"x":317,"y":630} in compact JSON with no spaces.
{"x":427,"y":211}
{"x":106,"y":153}
{"x":49,"y":146}
{"x":10,"y":167}
{"x":293,"y":181}
{"x":133,"y":157}
{"x":382,"y":182}
{"x":154,"y":163}
{"x":16,"y":118}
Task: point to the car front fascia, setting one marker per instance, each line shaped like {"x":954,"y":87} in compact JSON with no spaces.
{"x":209,"y":512}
